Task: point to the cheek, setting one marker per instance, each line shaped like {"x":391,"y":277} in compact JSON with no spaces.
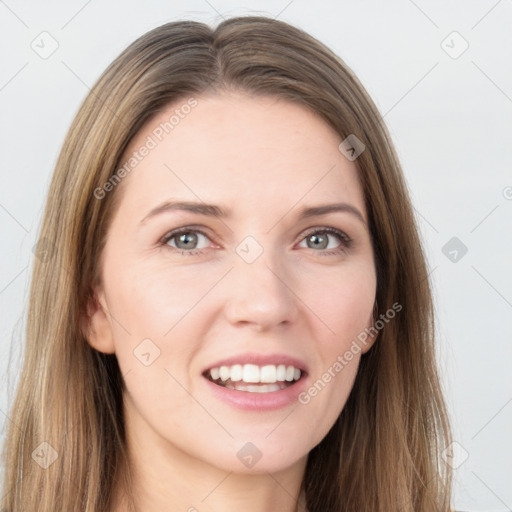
{"x":344,"y":305}
{"x":152,"y":308}
{"x":327,"y":394}
{"x":153,"y":301}
{"x":160,"y":320}
{"x":343,"y":300}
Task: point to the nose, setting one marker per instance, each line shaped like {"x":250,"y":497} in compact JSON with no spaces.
{"x":260,"y":294}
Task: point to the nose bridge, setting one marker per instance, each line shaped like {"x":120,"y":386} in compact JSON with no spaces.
{"x":259,"y":291}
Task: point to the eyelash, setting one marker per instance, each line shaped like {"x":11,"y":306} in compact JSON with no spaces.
{"x":345,"y":240}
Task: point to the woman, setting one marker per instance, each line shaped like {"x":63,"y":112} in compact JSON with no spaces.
{"x":234,"y":309}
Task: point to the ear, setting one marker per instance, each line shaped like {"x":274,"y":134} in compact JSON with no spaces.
{"x":97,"y":327}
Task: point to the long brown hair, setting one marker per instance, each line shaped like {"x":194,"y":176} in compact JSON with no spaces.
{"x":65,"y":443}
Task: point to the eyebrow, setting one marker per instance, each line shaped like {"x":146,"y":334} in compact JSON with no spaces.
{"x":212,"y":210}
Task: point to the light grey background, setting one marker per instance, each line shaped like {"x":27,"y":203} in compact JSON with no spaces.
{"x":450,"y":117}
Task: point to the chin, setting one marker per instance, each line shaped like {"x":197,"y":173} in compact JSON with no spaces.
{"x":256,"y":454}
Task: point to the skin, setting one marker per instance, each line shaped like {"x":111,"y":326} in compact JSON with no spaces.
{"x":263,"y":158}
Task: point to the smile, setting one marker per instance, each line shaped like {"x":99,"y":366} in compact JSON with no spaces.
{"x":252,"y":378}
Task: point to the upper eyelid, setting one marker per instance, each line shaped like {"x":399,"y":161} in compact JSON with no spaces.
{"x":176,"y":232}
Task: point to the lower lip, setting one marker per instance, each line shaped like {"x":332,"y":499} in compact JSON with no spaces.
{"x":258,"y":401}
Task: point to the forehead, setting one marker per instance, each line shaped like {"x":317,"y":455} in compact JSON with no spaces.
{"x":238,"y":150}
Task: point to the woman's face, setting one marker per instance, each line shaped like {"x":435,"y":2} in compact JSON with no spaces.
{"x":239,"y":280}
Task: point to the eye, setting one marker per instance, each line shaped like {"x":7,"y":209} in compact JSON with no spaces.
{"x":187,"y":240}
{"x":319,"y":238}
{"x":191,"y":241}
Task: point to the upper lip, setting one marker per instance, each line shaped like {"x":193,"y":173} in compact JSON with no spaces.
{"x":259,"y":360}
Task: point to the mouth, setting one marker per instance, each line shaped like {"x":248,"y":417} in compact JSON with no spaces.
{"x":253,"y":378}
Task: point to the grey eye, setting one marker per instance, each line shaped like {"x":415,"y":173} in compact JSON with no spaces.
{"x":318,"y":241}
{"x":186,"y":240}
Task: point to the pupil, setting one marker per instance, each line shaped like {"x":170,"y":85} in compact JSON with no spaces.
{"x":185,"y":238}
{"x":315,"y":238}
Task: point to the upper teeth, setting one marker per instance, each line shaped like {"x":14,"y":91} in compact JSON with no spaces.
{"x":253,"y":373}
